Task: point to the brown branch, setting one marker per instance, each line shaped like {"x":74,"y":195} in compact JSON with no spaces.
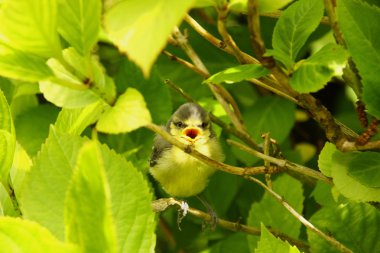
{"x":349,"y":74}
{"x":207,"y":160}
{"x":186,"y":64}
{"x":161,"y":205}
{"x":215,"y":41}
{"x":277,"y":14}
{"x":352,"y":146}
{"x":227,"y":38}
{"x":338,"y":245}
{"x":300,"y":169}
{"x":257,"y":42}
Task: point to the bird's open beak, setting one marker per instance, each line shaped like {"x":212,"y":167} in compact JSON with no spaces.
{"x":191,"y":133}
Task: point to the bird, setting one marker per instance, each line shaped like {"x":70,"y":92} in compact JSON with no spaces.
{"x":179,"y":173}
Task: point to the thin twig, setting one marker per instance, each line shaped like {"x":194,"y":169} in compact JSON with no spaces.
{"x":254,"y":29}
{"x":207,"y":160}
{"x":349,"y":75}
{"x":221,"y":94}
{"x":215,"y":41}
{"x":227,"y":38}
{"x":161,"y":205}
{"x":278,"y":14}
{"x":283,"y":163}
{"x":186,"y":64}
{"x":266,"y":162}
{"x":303,"y":220}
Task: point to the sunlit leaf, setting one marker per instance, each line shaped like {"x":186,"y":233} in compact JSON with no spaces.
{"x":325,"y":159}
{"x":128,"y":114}
{"x":141,"y":28}
{"x":23,"y":236}
{"x":88,"y":216}
{"x":48,"y":181}
{"x":238,"y":74}
{"x":269,"y":243}
{"x":7,"y":139}
{"x":79,"y":23}
{"x":30,"y":26}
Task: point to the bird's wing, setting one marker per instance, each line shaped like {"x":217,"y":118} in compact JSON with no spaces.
{"x":159,"y":145}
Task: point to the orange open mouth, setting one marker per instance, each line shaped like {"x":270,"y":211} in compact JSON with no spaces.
{"x":192,"y":133}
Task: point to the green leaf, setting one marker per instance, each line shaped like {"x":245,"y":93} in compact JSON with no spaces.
{"x":129,"y":75}
{"x":360,"y":32}
{"x":356,"y":225}
{"x":278,"y":217}
{"x":347,"y":185}
{"x":270,"y":114}
{"x":269,"y":243}
{"x":88,"y":216}
{"x":133,"y":26}
{"x":20,"y":167}
{"x":236,"y":242}
{"x":23,"y":236}
{"x":74,"y":121}
{"x":79,"y":23}
{"x":20,"y":66}
{"x":365,"y":168}
{"x":131,"y":204}
{"x":325,"y":159}
{"x":7,"y":139}
{"x":293,"y":28}
{"x":30,"y":26}
{"x":314,"y":73}
{"x":128,"y":114}
{"x":238,"y":74}
{"x":48,"y":180}
{"x":6,"y":205}
{"x":32,"y":126}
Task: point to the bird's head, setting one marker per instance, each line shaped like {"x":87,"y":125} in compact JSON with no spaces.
{"x":190,"y":124}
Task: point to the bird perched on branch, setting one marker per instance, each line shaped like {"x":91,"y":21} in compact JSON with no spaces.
{"x":180,"y":174}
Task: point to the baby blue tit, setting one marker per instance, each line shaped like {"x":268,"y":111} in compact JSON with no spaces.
{"x":180,"y":174}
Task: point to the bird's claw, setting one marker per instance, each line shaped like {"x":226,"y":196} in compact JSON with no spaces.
{"x":182,"y":212}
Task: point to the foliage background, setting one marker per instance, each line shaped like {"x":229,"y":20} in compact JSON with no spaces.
{"x":80,"y":79}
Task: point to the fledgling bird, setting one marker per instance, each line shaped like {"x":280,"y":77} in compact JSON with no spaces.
{"x":180,"y":174}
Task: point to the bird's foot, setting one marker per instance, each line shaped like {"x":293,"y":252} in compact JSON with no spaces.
{"x":182,"y":212}
{"x":213,"y":221}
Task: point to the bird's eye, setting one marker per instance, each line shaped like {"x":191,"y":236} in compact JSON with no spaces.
{"x":204,"y":124}
{"x":179,"y":124}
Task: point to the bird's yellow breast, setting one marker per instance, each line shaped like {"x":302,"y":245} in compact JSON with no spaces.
{"x":182,"y":175}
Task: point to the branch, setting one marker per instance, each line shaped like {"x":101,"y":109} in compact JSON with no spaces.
{"x":189,"y":149}
{"x":283,"y":163}
{"x":277,"y":14}
{"x":161,"y":205}
{"x":227,"y":38}
{"x":186,"y":64}
{"x":215,"y":41}
{"x":257,"y":42}
{"x":338,"y":245}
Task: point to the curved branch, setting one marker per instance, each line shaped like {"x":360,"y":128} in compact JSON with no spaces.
{"x":161,"y":205}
